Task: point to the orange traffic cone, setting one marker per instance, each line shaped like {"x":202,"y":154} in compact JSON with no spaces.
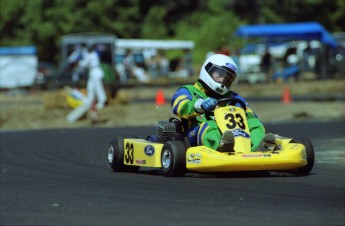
{"x":160,"y":99}
{"x":286,"y":95}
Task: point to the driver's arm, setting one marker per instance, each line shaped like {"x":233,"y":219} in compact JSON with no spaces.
{"x":183,"y":104}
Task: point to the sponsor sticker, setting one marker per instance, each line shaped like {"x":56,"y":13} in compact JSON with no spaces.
{"x":142,"y":162}
{"x":149,"y":150}
{"x":231,"y":66}
{"x":231,"y":109}
{"x":241,"y":133}
{"x":194,"y":158}
{"x":252,"y":155}
{"x":258,"y":155}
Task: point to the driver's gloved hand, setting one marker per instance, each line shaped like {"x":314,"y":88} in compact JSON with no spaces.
{"x":207,"y":105}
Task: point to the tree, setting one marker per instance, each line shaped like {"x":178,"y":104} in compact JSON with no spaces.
{"x":210,"y":23}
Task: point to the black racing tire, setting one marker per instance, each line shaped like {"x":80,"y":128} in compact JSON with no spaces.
{"x":116,"y":156}
{"x":173,"y":158}
{"x":310,"y":157}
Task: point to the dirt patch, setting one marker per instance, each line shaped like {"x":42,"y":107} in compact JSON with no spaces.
{"x":43,"y":110}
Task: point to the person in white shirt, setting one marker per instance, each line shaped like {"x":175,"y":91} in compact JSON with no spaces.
{"x":94,"y":87}
{"x":76,"y":56}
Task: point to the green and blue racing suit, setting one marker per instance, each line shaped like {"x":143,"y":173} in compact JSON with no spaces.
{"x":201,"y":131}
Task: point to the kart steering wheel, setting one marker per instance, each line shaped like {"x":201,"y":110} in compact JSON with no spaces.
{"x":230,"y":101}
{"x":233,"y":101}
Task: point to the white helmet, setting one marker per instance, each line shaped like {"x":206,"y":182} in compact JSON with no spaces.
{"x":224,"y":66}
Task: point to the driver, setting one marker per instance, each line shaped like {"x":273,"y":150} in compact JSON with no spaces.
{"x":190,"y":102}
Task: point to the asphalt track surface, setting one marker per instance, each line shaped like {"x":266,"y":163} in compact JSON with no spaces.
{"x":61,"y":177}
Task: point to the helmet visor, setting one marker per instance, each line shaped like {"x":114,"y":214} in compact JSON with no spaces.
{"x":224,"y":76}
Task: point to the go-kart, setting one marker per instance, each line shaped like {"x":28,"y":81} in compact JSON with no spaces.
{"x":171,"y":152}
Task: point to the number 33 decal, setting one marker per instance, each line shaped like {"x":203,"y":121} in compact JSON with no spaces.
{"x":234,"y":120}
{"x":129,"y":153}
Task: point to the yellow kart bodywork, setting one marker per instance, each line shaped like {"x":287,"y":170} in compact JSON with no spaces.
{"x":204,"y":159}
{"x":140,"y":152}
{"x":174,"y":156}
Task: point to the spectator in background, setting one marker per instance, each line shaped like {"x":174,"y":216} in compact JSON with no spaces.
{"x":121,"y":71}
{"x":187,"y":62}
{"x":225,"y":50}
{"x":153,"y":66}
{"x":96,"y":95}
{"x":74,"y":59}
{"x":236,"y":57}
{"x":95,"y":88}
{"x":309,"y":59}
{"x":132,"y":69}
{"x":158,"y":65}
{"x":164,"y":63}
{"x":266,"y":64}
{"x":128,"y":62}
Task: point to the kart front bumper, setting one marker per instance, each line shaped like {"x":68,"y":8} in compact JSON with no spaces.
{"x":204,"y":159}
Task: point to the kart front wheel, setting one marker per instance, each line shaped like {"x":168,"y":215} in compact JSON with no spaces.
{"x":116,"y":156}
{"x":310,"y":157}
{"x":173,"y":159}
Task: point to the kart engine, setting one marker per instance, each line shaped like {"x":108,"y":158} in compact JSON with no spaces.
{"x":169,"y":130}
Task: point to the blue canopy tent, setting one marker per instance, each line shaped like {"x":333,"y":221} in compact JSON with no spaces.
{"x":290,"y":32}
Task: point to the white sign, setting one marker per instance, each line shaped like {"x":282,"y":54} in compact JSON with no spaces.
{"x":17,"y":70}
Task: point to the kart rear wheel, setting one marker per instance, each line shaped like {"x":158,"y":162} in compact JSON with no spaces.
{"x":116,"y":156}
{"x":173,"y":158}
{"x":310,"y":157}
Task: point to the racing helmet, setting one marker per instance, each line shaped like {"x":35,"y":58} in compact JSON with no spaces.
{"x":225,"y":67}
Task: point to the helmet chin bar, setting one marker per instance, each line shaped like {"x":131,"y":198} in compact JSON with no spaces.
{"x":210,"y":91}
{"x":217,"y":89}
